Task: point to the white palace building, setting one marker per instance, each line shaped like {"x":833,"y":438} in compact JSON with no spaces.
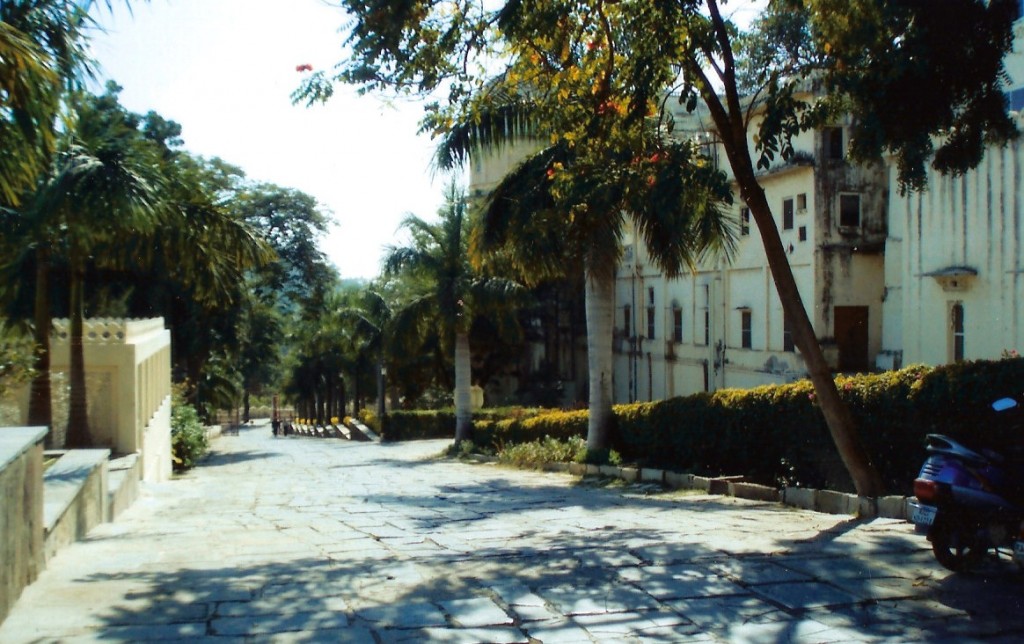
{"x":888,"y":279}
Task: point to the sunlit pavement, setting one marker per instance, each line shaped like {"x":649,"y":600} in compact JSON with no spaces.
{"x":302,"y":539}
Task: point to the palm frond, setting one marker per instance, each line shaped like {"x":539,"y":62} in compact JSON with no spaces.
{"x":501,"y":121}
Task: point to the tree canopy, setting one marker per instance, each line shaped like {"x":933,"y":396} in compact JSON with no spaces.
{"x":593,"y":71}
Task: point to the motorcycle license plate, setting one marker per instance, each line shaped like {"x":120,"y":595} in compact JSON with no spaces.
{"x":924,"y":515}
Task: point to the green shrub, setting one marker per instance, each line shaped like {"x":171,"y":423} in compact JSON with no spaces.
{"x":407,"y":425}
{"x":535,"y":454}
{"x":774,"y":434}
{"x":403,"y":425}
{"x":188,"y":436}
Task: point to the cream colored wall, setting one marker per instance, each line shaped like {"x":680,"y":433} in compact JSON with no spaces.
{"x":128,"y":384}
{"x":487,"y":167}
{"x":973,"y":221}
{"x":1014,"y":61}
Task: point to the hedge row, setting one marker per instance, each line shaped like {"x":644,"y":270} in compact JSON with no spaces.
{"x":403,"y":425}
{"x":776,"y":434}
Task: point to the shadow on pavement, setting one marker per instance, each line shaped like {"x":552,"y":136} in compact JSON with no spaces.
{"x":220,"y":458}
{"x":622,"y":583}
{"x":496,"y":557}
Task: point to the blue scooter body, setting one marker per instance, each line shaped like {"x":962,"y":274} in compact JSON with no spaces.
{"x":968,"y":501}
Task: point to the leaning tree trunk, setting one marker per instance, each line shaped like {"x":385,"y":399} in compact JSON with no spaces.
{"x":837,"y":414}
{"x":731,"y":122}
{"x":78,"y":419}
{"x":599,"y":301}
{"x":40,"y":403}
{"x":463,"y":382}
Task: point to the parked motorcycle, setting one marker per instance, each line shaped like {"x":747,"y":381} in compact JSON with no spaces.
{"x":970,"y":501}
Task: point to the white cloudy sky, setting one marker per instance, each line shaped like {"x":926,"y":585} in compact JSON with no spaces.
{"x":225,"y":69}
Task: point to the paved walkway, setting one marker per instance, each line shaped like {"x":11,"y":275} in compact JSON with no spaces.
{"x":298,"y":539}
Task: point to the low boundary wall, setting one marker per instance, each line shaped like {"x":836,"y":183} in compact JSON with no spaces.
{"x":74,"y":497}
{"x":21,"y":513}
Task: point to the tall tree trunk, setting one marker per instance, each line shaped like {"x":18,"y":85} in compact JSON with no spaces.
{"x":328,"y":399}
{"x":599,"y":301}
{"x":342,"y":403}
{"x":838,"y":418}
{"x":730,"y":121}
{"x":245,"y":406}
{"x":381,"y":389}
{"x":463,"y":382}
{"x":40,"y":402}
{"x":78,"y":418}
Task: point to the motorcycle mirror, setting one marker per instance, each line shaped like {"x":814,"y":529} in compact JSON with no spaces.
{"x":1003,"y":404}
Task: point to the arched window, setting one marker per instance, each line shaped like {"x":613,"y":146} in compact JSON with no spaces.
{"x":956,"y":331}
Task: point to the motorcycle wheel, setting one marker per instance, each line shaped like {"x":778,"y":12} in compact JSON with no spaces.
{"x":956,"y":550}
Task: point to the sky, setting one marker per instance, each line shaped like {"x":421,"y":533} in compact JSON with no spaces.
{"x":225,"y":70}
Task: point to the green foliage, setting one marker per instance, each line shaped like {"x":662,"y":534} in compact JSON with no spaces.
{"x":774,"y":434}
{"x":368,"y":418}
{"x":955,"y":399}
{"x":401,"y":425}
{"x":188,"y":437}
{"x":17,"y":357}
{"x":561,"y":425}
{"x":418,"y":425}
{"x":535,"y":454}
{"x":464,"y":450}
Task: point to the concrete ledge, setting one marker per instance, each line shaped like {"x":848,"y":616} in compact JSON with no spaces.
{"x":652,"y":476}
{"x":123,"y":476}
{"x":700,"y":483}
{"x":556,"y":467}
{"x":678,"y":480}
{"x":799,"y":497}
{"x":367,"y":433}
{"x":21,"y":511}
{"x":754,"y":492}
{"x":824,"y":501}
{"x":74,"y":497}
{"x":831,"y":502}
{"x":893,"y":507}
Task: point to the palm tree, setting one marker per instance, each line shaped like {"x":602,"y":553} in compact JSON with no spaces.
{"x":560,"y":207}
{"x":370,"y":322}
{"x":43,"y":58}
{"x":29,"y":92}
{"x":439,"y":256}
{"x":98,"y":195}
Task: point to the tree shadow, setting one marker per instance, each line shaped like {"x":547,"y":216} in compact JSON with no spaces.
{"x":620,"y":584}
{"x":222,"y":458}
{"x":490,"y":557}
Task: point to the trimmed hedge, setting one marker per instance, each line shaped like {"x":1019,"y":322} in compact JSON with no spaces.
{"x":418,"y":424}
{"x":775,"y":434}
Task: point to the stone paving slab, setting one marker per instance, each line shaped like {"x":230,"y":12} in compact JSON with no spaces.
{"x":305,"y":540}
